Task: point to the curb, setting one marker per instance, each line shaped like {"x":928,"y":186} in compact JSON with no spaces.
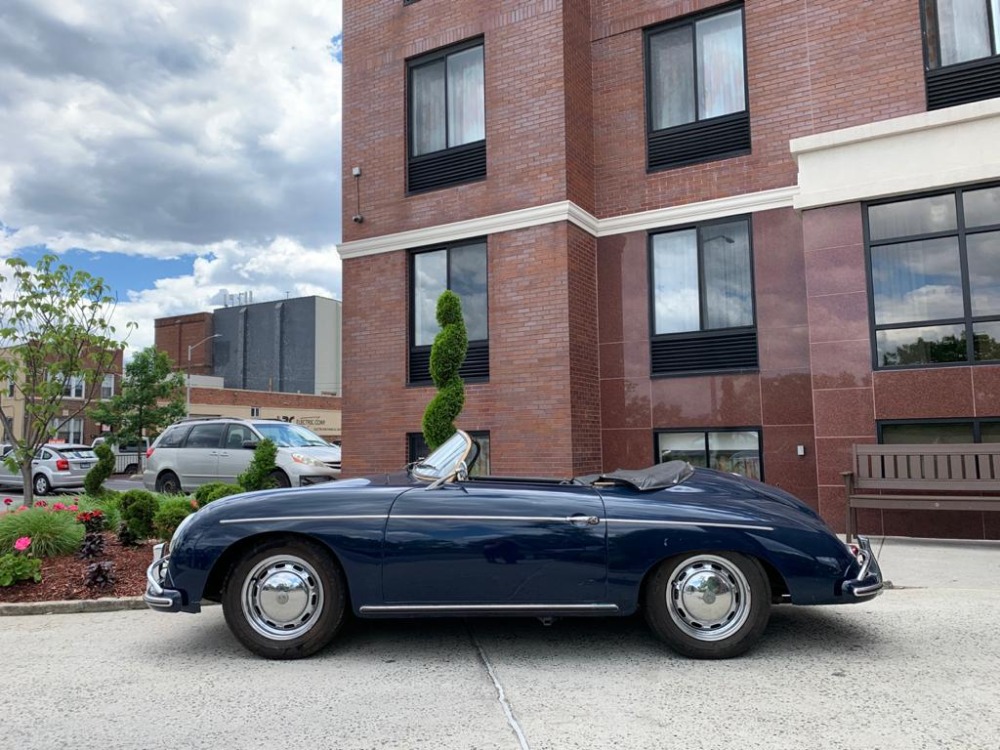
{"x":73,"y":607}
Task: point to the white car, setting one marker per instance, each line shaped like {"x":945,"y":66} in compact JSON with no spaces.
{"x":197,"y":451}
{"x":56,"y":466}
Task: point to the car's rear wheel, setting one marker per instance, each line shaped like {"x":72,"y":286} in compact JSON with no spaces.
{"x":285,"y":599}
{"x":280,"y":479}
{"x":41,"y":484}
{"x":168,"y":483}
{"x":709,"y":605}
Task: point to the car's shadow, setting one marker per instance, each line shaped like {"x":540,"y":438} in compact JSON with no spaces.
{"x":809,"y":631}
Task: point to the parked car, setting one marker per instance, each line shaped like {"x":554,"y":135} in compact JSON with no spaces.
{"x":56,"y":466}
{"x":194,"y":452}
{"x":128,"y":458}
{"x":703,"y":553}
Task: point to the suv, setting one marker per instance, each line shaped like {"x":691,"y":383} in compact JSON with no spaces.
{"x":60,"y":466}
{"x":197,"y":451}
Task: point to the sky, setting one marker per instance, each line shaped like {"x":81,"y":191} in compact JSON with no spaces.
{"x":178,"y":149}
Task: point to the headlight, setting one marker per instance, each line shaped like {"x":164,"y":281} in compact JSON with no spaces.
{"x":307,"y":460}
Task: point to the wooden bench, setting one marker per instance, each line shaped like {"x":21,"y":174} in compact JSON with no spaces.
{"x":958,"y":476}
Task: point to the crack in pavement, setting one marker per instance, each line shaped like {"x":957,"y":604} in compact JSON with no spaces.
{"x":501,"y":696}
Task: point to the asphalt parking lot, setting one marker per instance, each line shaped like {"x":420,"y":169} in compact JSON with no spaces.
{"x":914,"y":669}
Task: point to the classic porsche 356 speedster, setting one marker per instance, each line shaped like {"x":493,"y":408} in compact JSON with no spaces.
{"x":703,"y":554}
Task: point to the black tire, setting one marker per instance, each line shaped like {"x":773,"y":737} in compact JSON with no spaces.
{"x":279,"y":479}
{"x":41,"y":485}
{"x":168,"y":484}
{"x":709,"y":605}
{"x":131,"y":469}
{"x":287,"y":630}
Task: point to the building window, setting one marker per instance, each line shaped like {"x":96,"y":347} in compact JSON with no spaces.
{"x":734,"y":450}
{"x":696,"y":88}
{"x":447,"y":117}
{"x":937,"y":431}
{"x":934,"y":267}
{"x":702,"y":299}
{"x":70,"y":431}
{"x":254,"y":411}
{"x":108,"y":386}
{"x":11,"y":388}
{"x":418,"y":450}
{"x":961,"y":45}
{"x":462,"y":269}
{"x":73,"y":387}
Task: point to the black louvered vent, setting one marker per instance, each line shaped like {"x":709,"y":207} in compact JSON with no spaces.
{"x":718,"y":138}
{"x":475,"y":368}
{"x":445,"y":168}
{"x":961,"y":84}
{"x":705,"y":352}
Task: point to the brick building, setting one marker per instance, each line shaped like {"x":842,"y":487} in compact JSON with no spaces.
{"x":748,"y":234}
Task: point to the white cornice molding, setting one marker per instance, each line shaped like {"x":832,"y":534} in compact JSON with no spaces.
{"x":907,"y":154}
{"x":570,"y":212}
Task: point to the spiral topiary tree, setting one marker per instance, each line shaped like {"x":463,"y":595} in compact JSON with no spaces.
{"x":447,"y":356}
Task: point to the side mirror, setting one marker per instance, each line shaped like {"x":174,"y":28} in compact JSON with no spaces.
{"x":250,"y":444}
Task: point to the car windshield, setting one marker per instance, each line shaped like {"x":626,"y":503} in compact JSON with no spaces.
{"x":444,"y":461}
{"x":287,"y":435}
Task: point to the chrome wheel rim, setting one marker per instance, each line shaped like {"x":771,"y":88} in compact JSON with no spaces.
{"x":41,"y":485}
{"x":282,"y":597}
{"x":708,"y":597}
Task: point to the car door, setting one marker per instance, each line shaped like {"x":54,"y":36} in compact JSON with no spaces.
{"x":233,"y":457}
{"x":198,"y":460}
{"x":495,"y":543}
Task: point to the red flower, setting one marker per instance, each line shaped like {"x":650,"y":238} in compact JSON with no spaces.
{"x":8,"y":500}
{"x":41,"y":504}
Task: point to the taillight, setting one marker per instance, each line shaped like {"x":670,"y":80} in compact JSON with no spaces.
{"x":62,"y":464}
{"x":149,"y":451}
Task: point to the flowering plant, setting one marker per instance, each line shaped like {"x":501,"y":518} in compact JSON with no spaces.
{"x":41,"y":504}
{"x":16,"y":567}
{"x":93,"y":520}
{"x":8,"y":501}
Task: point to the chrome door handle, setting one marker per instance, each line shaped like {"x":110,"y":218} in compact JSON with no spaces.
{"x":579,"y":519}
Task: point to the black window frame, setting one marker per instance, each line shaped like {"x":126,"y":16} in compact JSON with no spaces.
{"x":712,"y":139}
{"x":963,"y":82}
{"x":681,"y":354}
{"x":476,"y":367}
{"x":961,"y":233}
{"x":705,"y":431}
{"x":446,"y":167}
{"x":975,"y":422}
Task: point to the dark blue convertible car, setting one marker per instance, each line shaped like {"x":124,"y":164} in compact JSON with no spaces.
{"x":703,"y":554}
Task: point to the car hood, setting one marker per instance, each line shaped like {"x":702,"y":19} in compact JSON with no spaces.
{"x":324,"y":453}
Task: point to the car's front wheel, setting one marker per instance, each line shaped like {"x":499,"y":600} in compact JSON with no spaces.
{"x":285,"y":599}
{"x":168,"y":483}
{"x":709,"y":605}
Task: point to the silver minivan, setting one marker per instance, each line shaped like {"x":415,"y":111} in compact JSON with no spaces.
{"x":197,"y":451}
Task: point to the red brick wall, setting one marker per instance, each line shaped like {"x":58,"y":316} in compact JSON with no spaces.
{"x":175,"y":334}
{"x":813,"y":66}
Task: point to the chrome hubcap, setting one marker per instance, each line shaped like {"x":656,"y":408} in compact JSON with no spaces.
{"x":708,"y":597}
{"x":282,"y":597}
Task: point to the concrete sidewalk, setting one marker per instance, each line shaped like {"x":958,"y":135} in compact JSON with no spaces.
{"x":938,"y":563}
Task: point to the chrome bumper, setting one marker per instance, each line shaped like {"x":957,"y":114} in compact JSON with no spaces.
{"x":157,"y":596}
{"x":868,"y":582}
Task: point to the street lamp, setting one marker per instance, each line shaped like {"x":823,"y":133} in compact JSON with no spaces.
{"x":191,"y":348}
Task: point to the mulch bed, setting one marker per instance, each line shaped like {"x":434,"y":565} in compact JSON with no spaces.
{"x":63,"y":577}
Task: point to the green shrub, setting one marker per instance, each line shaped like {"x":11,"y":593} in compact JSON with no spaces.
{"x":447,"y":355}
{"x":14,"y":568}
{"x":53,"y":533}
{"x":221,"y":491}
{"x":137,"y":510}
{"x":262,"y":465}
{"x":202,"y":493}
{"x":170,"y":515}
{"x":93,"y":483}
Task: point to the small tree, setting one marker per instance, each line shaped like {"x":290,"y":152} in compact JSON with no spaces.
{"x":447,"y":356}
{"x":152,"y":398}
{"x":93,"y":483}
{"x":56,"y":330}
{"x":258,"y":475}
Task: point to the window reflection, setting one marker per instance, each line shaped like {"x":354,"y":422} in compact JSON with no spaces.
{"x":922,"y":345}
{"x":734,"y":451}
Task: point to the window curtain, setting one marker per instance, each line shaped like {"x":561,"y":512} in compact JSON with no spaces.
{"x":963,"y":30}
{"x":721,"y":88}
{"x":675,"y":279}
{"x":428,"y":102}
{"x":726,"y":257}
{"x":466,"y":100}
{"x":672,"y":78}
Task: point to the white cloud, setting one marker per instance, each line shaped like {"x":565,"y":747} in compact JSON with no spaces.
{"x":164,"y":129}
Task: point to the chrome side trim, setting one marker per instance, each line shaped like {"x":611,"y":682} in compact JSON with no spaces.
{"x":279,"y":519}
{"x":686,"y":524}
{"x":488,"y":608}
{"x":432,"y":517}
